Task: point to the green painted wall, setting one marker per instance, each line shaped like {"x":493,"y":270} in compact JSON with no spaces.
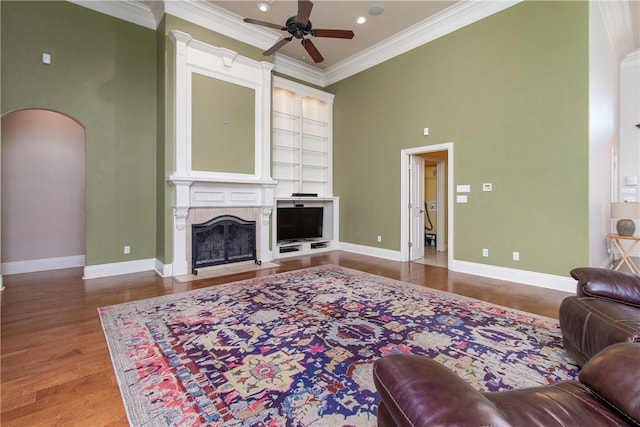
{"x":511,"y":93}
{"x":103,"y":74}
{"x":223,"y":126}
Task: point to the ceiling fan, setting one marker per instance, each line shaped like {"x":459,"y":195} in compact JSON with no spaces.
{"x":299,"y":26}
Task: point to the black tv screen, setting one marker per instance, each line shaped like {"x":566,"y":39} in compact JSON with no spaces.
{"x":299,"y":223}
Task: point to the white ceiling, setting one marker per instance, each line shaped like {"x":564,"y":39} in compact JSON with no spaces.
{"x":398,"y":15}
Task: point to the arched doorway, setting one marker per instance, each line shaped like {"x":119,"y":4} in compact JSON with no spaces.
{"x":43,"y":192}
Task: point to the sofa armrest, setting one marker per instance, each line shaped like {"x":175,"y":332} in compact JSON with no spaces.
{"x":417,"y":391}
{"x":614,"y":376}
{"x":614,"y":285}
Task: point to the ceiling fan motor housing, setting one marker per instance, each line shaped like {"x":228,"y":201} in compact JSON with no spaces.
{"x":296,"y":29}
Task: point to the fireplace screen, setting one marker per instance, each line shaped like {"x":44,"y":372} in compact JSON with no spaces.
{"x":222,"y":240}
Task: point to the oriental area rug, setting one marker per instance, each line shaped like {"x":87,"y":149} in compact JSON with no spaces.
{"x":297,"y":348}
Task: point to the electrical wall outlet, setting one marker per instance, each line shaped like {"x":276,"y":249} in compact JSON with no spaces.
{"x":379,"y":239}
{"x":516,"y":256}
{"x":127,"y":250}
{"x":485,"y":252}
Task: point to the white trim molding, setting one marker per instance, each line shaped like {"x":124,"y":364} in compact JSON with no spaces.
{"x":135,"y":12}
{"x":33,"y":265}
{"x":118,"y":268}
{"x":531,"y":278}
{"x":616,"y":16}
{"x":162,"y":269}
{"x":541,"y":280}
{"x":371,"y":251}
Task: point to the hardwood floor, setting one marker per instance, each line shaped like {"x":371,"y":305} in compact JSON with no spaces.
{"x":55,"y":365}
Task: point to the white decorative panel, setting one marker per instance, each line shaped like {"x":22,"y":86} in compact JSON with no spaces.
{"x":201,"y":196}
{"x":237,"y":196}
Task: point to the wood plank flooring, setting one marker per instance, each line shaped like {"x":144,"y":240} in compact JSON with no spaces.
{"x":55,"y":365}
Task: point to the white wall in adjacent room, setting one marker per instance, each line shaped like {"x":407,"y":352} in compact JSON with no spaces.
{"x":43,"y":186}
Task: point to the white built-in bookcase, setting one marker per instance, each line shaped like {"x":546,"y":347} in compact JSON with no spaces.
{"x":302,"y":150}
{"x":301,"y":139}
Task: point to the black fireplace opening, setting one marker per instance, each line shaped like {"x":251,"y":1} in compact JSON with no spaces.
{"x":222,"y":240}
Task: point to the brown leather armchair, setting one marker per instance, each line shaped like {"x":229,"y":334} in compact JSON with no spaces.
{"x":416,"y":391}
{"x":604,"y":311}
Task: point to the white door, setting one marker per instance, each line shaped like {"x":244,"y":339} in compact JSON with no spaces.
{"x":416,"y":208}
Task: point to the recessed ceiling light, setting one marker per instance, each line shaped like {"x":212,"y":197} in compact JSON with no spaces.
{"x":264,"y":7}
{"x":361,"y":20}
{"x":376,"y":9}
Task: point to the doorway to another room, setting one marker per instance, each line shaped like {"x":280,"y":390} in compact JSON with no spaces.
{"x":43,"y":192}
{"x":435,"y":248}
{"x":427,"y":224}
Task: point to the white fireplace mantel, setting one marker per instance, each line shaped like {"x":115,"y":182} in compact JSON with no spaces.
{"x":206,"y":189}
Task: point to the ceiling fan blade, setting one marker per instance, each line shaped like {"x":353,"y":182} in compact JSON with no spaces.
{"x":304,"y":11}
{"x":264,"y":24}
{"x":277,"y":46}
{"x":313,"y":51}
{"x":336,"y":34}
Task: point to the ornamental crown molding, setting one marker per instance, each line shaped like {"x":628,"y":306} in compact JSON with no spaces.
{"x":616,"y":16}
{"x":631,"y":60}
{"x":128,"y":10}
{"x":149,"y":13}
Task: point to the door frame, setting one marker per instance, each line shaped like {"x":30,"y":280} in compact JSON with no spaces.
{"x":405,"y":171}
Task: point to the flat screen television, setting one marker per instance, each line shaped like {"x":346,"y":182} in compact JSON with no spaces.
{"x":298,"y":223}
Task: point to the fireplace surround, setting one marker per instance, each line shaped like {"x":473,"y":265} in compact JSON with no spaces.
{"x":202,"y":195}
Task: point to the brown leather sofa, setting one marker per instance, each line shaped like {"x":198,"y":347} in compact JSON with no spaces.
{"x":416,"y":391}
{"x":604,"y":311}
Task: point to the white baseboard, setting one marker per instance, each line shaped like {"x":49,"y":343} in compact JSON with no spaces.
{"x":541,"y":280}
{"x":164,"y":270}
{"x":118,"y":268}
{"x":371,"y":251}
{"x":33,"y":265}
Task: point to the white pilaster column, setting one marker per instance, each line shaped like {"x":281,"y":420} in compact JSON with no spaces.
{"x":265,"y":254}
{"x":180,"y":229}
{"x":182,"y":129}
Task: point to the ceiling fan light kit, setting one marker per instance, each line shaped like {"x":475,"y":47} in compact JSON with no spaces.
{"x":299,"y":26}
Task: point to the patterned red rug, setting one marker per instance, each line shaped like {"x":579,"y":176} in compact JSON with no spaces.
{"x":296,"y":349}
